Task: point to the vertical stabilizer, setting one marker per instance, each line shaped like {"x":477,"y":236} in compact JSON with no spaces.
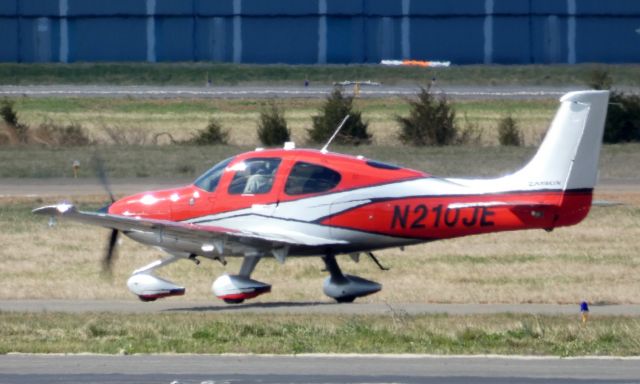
{"x":568,"y":156}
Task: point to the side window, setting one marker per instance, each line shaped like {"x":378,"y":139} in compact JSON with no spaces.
{"x":253,"y":176}
{"x":310,"y":178}
{"x":210,"y":179}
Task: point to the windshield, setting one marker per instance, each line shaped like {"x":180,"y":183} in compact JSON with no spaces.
{"x":210,"y":179}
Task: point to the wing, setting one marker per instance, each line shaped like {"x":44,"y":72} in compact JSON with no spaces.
{"x":210,"y":237}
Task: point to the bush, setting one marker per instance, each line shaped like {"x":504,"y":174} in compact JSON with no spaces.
{"x":272,"y":127}
{"x":17,"y":132}
{"x":72,"y":135}
{"x":212,"y":134}
{"x":623,"y":114}
{"x":335,"y":108}
{"x":121,"y":135}
{"x":471,"y":134}
{"x":431,"y":121}
{"x":623,"y":118}
{"x":508,"y":132}
{"x":599,"y":78}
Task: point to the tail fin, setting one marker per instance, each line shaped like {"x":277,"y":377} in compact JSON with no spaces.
{"x":568,"y":156}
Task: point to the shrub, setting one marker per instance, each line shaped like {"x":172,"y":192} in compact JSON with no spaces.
{"x":623,"y":118}
{"x":51,"y":134}
{"x":508,"y":132}
{"x":121,"y":135}
{"x":17,"y":132}
{"x":272,"y":127}
{"x":623,"y":114}
{"x":599,"y":78}
{"x":212,"y":134}
{"x":431,"y":121}
{"x":335,"y":108}
{"x":471,"y":134}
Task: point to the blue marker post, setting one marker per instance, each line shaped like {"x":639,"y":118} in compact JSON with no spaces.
{"x":584,"y":309}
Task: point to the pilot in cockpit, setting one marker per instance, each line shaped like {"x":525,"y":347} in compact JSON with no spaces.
{"x":261,"y":177}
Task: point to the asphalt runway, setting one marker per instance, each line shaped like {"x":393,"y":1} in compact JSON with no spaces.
{"x":275,"y":91}
{"x":209,"y":369}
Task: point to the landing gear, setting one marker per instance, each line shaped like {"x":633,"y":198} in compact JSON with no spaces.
{"x":345,"y":288}
{"x":233,"y":301}
{"x":235,"y":289}
{"x":148,"y":287}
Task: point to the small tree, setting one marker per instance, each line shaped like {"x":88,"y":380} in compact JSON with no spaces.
{"x":623,"y":118}
{"x":17,"y":132}
{"x":272,"y":126}
{"x":470,"y":134}
{"x":599,"y":78}
{"x":623,"y":114}
{"x":56,"y":135}
{"x":212,"y":134}
{"x":335,"y":108}
{"x":431,"y":121}
{"x":508,"y":132}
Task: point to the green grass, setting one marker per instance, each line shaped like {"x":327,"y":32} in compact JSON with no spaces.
{"x":294,"y":334}
{"x":226,"y":74}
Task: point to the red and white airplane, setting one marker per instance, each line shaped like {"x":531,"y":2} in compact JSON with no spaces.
{"x":301,"y":202}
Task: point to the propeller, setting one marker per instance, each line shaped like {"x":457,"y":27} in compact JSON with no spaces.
{"x":110,"y":250}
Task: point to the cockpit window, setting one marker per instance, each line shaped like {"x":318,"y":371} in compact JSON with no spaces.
{"x":253,"y":176}
{"x":310,"y":178}
{"x":210,"y":179}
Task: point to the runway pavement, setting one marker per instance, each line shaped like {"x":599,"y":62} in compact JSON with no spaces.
{"x":201,"y":369}
{"x":275,"y":91}
{"x":175,"y":305}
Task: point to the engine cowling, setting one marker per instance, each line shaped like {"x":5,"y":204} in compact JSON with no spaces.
{"x":149,"y":287}
{"x":234,"y":289}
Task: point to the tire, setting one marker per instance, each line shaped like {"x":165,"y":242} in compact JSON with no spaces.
{"x":233,"y":301}
{"x":346,"y":299}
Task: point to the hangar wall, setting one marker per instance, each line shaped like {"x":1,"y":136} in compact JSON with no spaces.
{"x":321,"y":31}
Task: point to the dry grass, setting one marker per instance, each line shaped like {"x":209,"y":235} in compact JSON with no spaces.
{"x":597,"y":260}
{"x":182,"y":118}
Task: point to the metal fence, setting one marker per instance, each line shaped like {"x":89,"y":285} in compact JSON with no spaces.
{"x":321,"y":31}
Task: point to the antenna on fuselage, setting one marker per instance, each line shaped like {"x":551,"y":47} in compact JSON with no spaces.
{"x":324,"y":149}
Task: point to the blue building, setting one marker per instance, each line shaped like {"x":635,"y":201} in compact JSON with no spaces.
{"x":321,"y":31}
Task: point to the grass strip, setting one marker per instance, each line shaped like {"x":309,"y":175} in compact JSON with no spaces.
{"x":230,"y":74}
{"x":293,"y":334}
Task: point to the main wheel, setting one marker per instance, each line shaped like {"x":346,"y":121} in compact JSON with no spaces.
{"x":346,"y":299}
{"x":233,"y":301}
{"x":146,"y":299}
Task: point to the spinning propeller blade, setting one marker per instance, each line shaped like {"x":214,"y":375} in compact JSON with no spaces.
{"x":102,"y":175}
{"x":110,"y":251}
